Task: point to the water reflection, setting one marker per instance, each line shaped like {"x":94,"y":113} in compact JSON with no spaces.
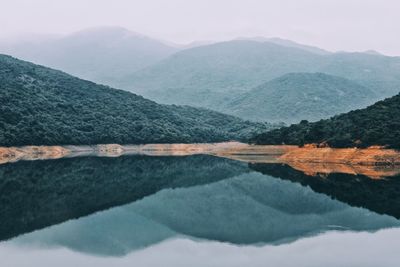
{"x":378,"y":195}
{"x":119,"y":206}
{"x":36,"y":194}
{"x":247,"y":209}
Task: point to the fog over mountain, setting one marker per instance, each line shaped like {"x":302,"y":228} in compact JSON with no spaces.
{"x":334,"y":25}
{"x":102,"y":54}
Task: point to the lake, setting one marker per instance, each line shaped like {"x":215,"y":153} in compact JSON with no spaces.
{"x":195,"y":210}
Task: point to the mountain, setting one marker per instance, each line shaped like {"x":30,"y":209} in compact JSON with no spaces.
{"x":213,"y":75}
{"x":99,"y":54}
{"x":41,"y":106}
{"x":378,"y":124}
{"x":208,"y":75}
{"x":296,"y":96}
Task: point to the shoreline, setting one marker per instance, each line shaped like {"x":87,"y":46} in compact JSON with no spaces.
{"x":376,"y":156}
{"x":375,"y":162}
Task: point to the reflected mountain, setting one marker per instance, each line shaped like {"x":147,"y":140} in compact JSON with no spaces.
{"x":378,"y":195}
{"x":250,"y":208}
{"x":37,"y":194}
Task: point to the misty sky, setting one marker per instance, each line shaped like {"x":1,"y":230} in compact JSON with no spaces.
{"x":353,"y":25}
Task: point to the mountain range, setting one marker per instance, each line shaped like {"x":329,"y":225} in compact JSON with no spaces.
{"x":214,"y":75}
{"x":260,"y":79}
{"x":209,"y":75}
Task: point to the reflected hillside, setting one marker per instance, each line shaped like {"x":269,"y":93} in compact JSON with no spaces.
{"x":36,"y":194}
{"x":378,"y":195}
{"x":247,"y":209}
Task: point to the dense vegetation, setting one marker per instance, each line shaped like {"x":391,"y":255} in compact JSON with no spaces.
{"x":296,"y":96}
{"x":378,"y":195}
{"x":41,"y":106}
{"x":36,"y":194}
{"x":378,"y":124}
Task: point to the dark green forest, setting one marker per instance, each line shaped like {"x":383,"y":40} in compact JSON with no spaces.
{"x":378,"y":124}
{"x":41,"y":106}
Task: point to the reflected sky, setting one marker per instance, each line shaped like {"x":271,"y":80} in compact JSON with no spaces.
{"x":330,"y":250}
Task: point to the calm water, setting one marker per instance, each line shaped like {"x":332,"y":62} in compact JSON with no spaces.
{"x":193,"y":211}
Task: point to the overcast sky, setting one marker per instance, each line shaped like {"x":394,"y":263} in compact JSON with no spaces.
{"x":353,"y":25}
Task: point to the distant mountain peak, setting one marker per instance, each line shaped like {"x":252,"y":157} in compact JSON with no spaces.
{"x":287,"y":43}
{"x":107,"y":31}
{"x":372,"y":52}
{"x":100,"y":54}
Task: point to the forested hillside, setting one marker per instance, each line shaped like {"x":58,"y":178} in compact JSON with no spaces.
{"x":296,"y":96}
{"x":41,"y":106}
{"x":378,"y":124}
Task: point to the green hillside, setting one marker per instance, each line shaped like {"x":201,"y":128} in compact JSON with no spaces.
{"x":378,"y":124}
{"x":296,"y":96}
{"x":41,"y":106}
